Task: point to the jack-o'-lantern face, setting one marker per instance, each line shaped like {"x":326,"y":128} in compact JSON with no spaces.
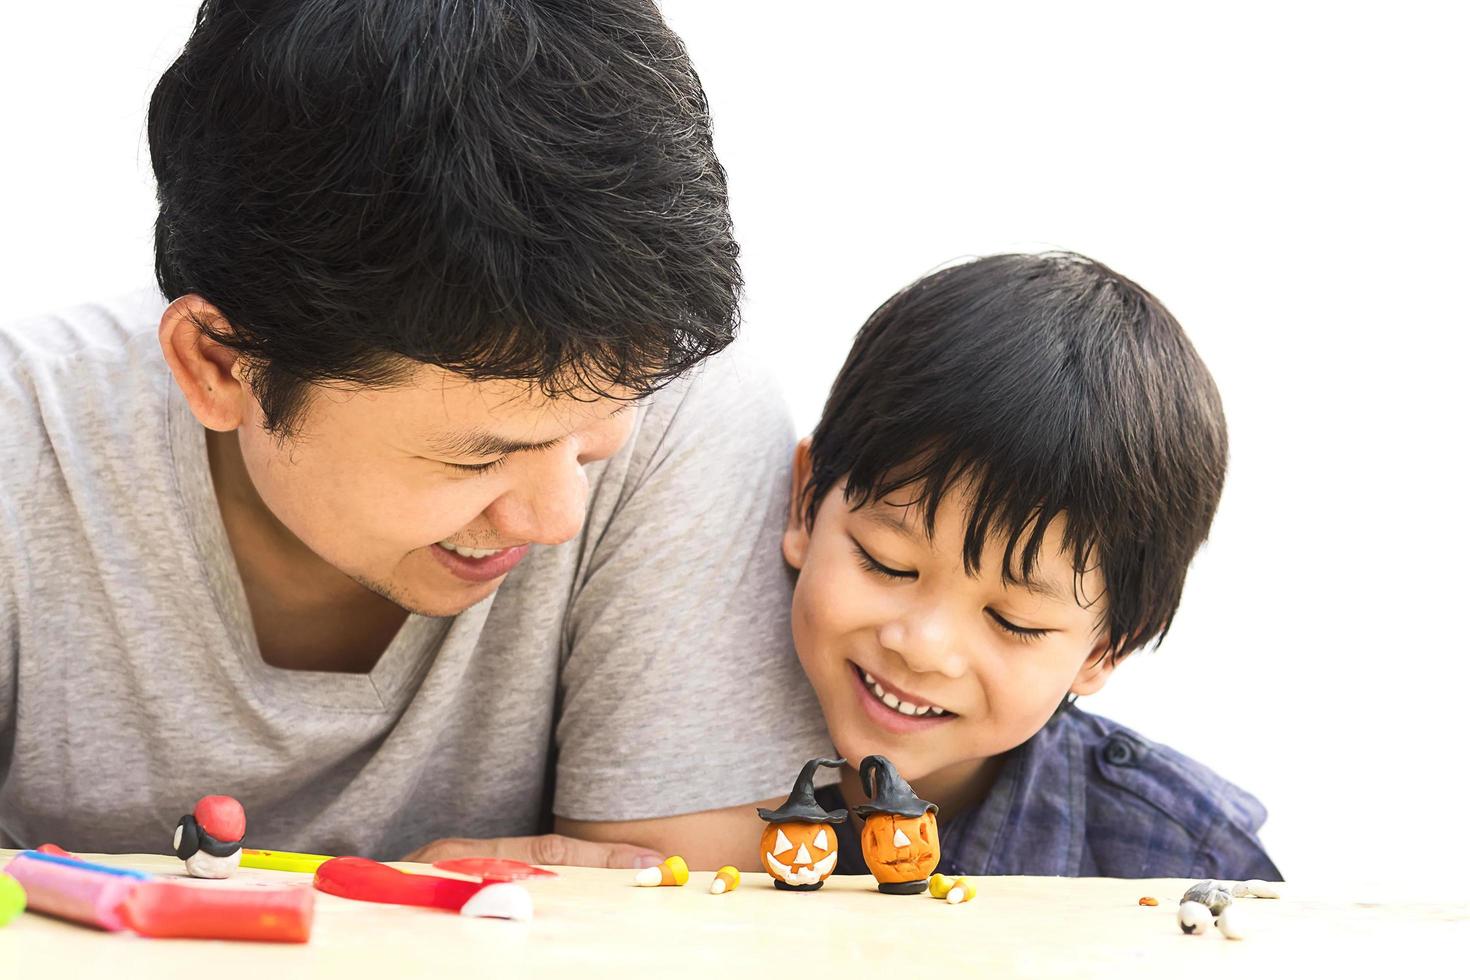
{"x":901,"y":849}
{"x":799,"y":854}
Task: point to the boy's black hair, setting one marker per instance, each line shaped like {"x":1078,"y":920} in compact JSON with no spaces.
{"x":502,"y":188}
{"x":1041,"y":386}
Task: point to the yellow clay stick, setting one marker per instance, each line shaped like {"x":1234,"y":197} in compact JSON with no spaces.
{"x":282,"y":860}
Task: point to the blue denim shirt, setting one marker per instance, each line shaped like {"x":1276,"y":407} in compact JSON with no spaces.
{"x":1086,"y":797}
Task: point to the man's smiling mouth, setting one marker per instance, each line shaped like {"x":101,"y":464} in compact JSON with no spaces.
{"x":900,"y":704}
{"x":470,"y":552}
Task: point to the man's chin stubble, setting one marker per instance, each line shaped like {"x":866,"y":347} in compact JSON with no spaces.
{"x":417,"y":608}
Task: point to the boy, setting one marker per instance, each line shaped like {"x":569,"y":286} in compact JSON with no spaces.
{"x":1013,"y":470}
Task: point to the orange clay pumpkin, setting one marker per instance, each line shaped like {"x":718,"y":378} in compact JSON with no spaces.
{"x":900,"y":850}
{"x":800,"y":855}
{"x":799,"y":845}
{"x":900,"y":831}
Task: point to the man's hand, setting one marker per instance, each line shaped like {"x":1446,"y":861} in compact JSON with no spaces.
{"x":546,"y":849}
{"x":705,"y":840}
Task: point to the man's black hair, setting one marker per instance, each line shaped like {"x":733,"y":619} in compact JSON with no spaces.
{"x":502,"y":188}
{"x":1041,"y":387}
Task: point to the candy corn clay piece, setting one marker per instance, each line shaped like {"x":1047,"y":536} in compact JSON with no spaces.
{"x":73,"y":889}
{"x":673,"y":871}
{"x":500,"y":900}
{"x":727,"y":879}
{"x":939,"y":885}
{"x":962,"y":890}
{"x":12,"y":898}
{"x":169,"y":910}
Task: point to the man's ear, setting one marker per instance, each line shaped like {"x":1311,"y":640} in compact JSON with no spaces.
{"x":1095,"y":672}
{"x":207,"y":372}
{"x":796,"y":539}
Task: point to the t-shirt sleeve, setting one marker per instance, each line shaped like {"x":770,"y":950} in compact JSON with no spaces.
{"x":9,"y":642}
{"x":16,"y":464}
{"x":681,"y":690}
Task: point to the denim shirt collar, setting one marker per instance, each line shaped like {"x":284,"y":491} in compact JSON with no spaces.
{"x":1033,"y":821}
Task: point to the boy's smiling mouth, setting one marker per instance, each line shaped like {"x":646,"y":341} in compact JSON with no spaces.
{"x":894,"y":710}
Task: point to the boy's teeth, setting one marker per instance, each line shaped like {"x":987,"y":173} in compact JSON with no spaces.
{"x":893,"y":701}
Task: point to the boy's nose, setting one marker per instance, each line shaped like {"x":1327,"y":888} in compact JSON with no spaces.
{"x":925,"y":642}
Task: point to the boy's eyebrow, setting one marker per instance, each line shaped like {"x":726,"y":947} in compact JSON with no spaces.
{"x":891,"y":522}
{"x":1040,"y":587}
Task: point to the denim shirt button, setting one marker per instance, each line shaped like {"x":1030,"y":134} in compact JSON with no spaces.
{"x":1118,"y":752}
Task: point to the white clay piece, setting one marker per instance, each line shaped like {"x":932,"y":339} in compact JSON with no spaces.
{"x":504,"y":900}
{"x":1228,"y":922}
{"x":1194,"y":918}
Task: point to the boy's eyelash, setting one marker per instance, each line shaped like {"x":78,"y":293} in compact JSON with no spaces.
{"x":1021,"y":633}
{"x":476,"y":467}
{"x":873,"y":565}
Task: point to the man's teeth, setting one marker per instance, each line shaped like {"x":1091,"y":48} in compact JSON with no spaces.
{"x":902,"y":707}
{"x":470,"y":552}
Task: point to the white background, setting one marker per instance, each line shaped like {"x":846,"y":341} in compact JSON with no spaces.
{"x":1289,"y":178}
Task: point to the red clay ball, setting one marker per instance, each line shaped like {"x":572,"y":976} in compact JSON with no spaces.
{"x":221,"y":817}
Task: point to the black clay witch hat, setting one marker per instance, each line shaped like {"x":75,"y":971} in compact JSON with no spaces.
{"x":802,"y":806}
{"x":894,"y":794}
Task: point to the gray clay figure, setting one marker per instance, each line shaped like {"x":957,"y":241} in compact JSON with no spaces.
{"x":1214,"y":895}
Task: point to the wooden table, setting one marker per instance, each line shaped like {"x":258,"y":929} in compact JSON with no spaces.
{"x":596,"y":923}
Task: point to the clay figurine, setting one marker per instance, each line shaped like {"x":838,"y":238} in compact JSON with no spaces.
{"x":208,"y":840}
{"x":900,"y":831}
{"x":799,"y":846}
{"x":1214,"y":895}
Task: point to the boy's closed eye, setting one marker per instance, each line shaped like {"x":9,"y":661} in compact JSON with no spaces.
{"x":1025,"y":634}
{"x":866,"y":559}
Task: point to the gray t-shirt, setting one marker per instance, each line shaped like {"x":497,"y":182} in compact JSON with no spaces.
{"x":642,"y":669}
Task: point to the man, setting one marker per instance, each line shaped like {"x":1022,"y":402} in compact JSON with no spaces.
{"x":397,"y":516}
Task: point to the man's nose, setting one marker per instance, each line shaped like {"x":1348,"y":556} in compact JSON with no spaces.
{"x":548,"y":507}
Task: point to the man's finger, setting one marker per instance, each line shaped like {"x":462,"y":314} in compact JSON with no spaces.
{"x":559,"y":849}
{"x":543,"y":849}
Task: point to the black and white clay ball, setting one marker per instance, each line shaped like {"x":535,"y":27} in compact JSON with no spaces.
{"x":209,"y":839}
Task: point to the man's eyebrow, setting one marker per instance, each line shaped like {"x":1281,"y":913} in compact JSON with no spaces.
{"x":471,"y":443}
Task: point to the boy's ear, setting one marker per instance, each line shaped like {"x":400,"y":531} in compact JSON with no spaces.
{"x":206,"y":372}
{"x":1095,"y":672}
{"x":797,"y":538}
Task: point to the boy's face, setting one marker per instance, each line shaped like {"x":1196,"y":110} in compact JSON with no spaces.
{"x":916,"y":660}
